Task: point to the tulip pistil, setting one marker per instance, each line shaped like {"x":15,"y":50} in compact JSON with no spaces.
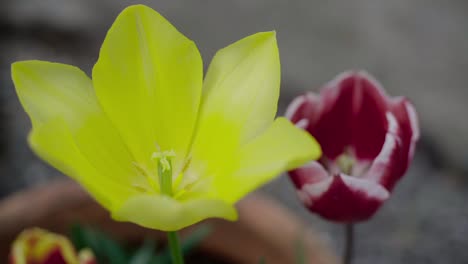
{"x":346,"y":163}
{"x":163,"y":159}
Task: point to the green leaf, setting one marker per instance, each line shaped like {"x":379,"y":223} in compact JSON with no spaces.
{"x":113,"y":251}
{"x":106,"y":249}
{"x":300,"y":252}
{"x":195,"y":238}
{"x":262,"y":260}
{"x":145,"y":253}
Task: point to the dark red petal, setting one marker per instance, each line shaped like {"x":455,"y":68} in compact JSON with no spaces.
{"x":343,"y":198}
{"x":369,"y":120}
{"x":55,"y":256}
{"x":409,"y":129}
{"x":350,"y":111}
{"x":333,"y":123}
{"x":386,"y":167}
{"x":303,"y":108}
{"x":310,"y":173}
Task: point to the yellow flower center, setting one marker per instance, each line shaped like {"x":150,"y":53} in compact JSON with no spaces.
{"x":346,"y":162}
{"x":163,"y":159}
{"x":162,"y":183}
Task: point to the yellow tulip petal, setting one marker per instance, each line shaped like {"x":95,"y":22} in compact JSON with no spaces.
{"x":282,"y":147}
{"x":166,"y":214}
{"x":240,"y":97}
{"x":141,"y":111}
{"x":148,"y":80}
{"x":53,"y":142}
{"x":68,"y":124}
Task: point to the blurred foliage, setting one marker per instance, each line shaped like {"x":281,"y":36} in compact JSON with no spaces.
{"x":300,"y":252}
{"x":108,"y":250}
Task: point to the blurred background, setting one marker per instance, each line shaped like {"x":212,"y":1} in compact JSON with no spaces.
{"x":415,"y":48}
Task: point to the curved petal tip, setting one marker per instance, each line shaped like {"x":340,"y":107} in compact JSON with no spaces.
{"x":167,"y":214}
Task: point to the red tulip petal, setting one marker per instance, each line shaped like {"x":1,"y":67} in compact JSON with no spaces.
{"x":333,"y":124}
{"x":350,"y":111}
{"x":369,"y":120}
{"x":303,"y":109}
{"x":55,"y":256}
{"x":409,"y":129}
{"x":312,"y":172}
{"x":386,"y":167}
{"x":344,"y":198}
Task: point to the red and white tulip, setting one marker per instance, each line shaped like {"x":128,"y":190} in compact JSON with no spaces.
{"x":368,"y":141}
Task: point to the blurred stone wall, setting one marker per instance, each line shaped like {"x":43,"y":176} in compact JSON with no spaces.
{"x":415,"y":48}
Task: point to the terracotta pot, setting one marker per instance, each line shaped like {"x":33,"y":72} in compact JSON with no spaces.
{"x":265,"y":229}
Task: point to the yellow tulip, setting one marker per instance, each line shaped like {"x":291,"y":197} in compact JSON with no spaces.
{"x":148,"y":138}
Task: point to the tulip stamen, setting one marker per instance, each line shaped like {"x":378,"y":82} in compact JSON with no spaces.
{"x":151,"y":180}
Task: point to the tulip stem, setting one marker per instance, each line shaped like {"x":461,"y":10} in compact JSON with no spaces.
{"x":174,"y":246}
{"x":349,"y":244}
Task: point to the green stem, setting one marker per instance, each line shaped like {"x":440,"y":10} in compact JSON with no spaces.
{"x":165,"y":181}
{"x":174,"y":246}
